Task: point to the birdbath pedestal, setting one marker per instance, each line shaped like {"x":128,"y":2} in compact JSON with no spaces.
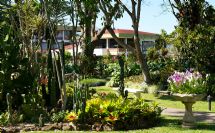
{"x":188,"y":100}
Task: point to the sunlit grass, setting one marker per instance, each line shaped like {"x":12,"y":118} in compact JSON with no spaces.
{"x":164,"y":101}
{"x":170,"y":102}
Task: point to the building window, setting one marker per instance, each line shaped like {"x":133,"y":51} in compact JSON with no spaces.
{"x":101,"y":43}
{"x":146,"y":45}
{"x":113,"y":43}
{"x":130,"y":41}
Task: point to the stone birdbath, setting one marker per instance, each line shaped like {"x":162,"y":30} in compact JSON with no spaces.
{"x":188,"y":100}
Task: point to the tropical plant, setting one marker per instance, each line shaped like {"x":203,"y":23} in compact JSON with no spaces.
{"x":71,"y":117}
{"x":121,"y":113}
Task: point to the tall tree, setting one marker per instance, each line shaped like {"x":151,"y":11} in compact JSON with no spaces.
{"x":191,"y":13}
{"x":195,"y":35}
{"x":88,"y":11}
{"x":134,"y":14}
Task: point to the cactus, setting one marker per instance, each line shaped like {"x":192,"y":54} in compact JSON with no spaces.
{"x":80,"y":96}
{"x":121,"y":79}
{"x":9,"y":108}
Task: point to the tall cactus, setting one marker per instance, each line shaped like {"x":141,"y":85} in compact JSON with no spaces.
{"x":9,"y":108}
{"x":50,"y":72}
{"x":80,"y":96}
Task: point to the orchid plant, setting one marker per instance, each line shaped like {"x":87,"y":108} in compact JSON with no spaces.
{"x":189,"y":82}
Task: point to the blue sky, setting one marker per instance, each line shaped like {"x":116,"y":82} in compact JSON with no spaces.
{"x":153,"y":18}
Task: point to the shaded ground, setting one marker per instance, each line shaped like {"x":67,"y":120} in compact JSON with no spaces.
{"x":200,"y":116}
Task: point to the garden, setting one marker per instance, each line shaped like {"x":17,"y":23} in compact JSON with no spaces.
{"x":46,"y":88}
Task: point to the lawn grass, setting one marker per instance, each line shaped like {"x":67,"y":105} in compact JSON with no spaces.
{"x":165,"y":101}
{"x":166,"y":125}
{"x":103,"y":89}
{"x":170,"y":102}
{"x":93,"y":82}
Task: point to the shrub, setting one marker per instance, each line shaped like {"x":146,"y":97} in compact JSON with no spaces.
{"x":133,"y":69}
{"x":58,"y":117}
{"x":69,"y":68}
{"x":32,"y":108}
{"x":93,"y":82}
{"x":113,"y":70}
{"x":123,"y":114}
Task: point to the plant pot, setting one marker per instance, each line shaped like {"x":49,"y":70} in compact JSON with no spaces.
{"x":188,"y":100}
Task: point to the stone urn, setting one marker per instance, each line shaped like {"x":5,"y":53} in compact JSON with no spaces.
{"x":188,"y":100}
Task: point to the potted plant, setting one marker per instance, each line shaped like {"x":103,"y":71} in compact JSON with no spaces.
{"x":188,"y":87}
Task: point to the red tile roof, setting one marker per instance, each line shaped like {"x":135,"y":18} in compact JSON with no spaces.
{"x":126,"y":31}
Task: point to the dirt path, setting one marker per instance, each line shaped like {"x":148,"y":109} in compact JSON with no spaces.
{"x":200,"y":116}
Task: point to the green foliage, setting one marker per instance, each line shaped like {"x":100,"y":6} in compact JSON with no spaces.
{"x":58,"y":117}
{"x":16,"y":118}
{"x":196,"y":48}
{"x":16,"y":75}
{"x":160,"y":64}
{"x":132,"y":69}
{"x":121,"y":113}
{"x":88,"y":63}
{"x":4,"y":119}
{"x":93,"y":82}
{"x":193,"y":13}
{"x":32,"y":108}
{"x":67,"y":57}
{"x":71,"y":68}
{"x":113,"y":70}
{"x":194,"y":37}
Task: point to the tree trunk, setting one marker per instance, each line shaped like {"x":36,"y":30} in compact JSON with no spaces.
{"x":141,"y":57}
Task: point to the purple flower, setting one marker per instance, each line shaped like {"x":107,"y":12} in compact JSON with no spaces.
{"x":187,"y":82}
{"x":179,"y":78}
